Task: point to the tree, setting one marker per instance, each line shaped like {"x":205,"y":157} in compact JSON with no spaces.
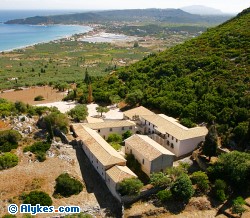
{"x":130,"y":186}
{"x":114,"y":137}
{"x":210,"y":144}
{"x":87,"y":78}
{"x":182,"y":188}
{"x":233,"y":167}
{"x":126,"y":134}
{"x":79,"y":113}
{"x":201,"y":180}
{"x":37,"y":197}
{"x":134,"y":98}
{"x":114,"y":99}
{"x":58,"y":120}
{"x":67,"y":186}
{"x":20,"y":106}
{"x":101,"y":110}
{"x":8,"y":160}
{"x":90,"y":94}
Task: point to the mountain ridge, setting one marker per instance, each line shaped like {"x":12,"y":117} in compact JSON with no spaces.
{"x":130,"y":15}
{"x":202,"y":10}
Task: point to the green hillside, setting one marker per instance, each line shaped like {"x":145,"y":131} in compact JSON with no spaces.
{"x":205,"y":79}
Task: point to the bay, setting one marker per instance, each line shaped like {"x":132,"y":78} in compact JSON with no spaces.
{"x":14,"y":36}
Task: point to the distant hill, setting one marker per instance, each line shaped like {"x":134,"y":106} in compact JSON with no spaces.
{"x":202,"y":10}
{"x":205,"y":79}
{"x":143,"y":15}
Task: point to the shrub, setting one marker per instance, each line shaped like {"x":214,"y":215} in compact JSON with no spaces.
{"x":9,"y":140}
{"x":39,"y":149}
{"x":79,"y":215}
{"x":220,"y":195}
{"x":164,"y":195}
{"x":67,"y":186}
{"x":9,"y":216}
{"x":182,"y":188}
{"x":37,"y":197}
{"x":201,"y":180}
{"x":8,"y":160}
{"x":160,"y":180}
{"x":130,"y":186}
{"x":116,"y":146}
{"x":219,"y":190}
{"x":39,"y":98}
{"x":238,"y":205}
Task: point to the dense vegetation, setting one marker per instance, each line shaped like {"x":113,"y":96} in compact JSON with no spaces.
{"x":67,"y":186}
{"x":8,"y":108}
{"x":234,"y":168}
{"x":204,"y":79}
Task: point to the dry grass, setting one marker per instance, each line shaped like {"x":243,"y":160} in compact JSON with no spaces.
{"x":28,"y":95}
{"x":30,"y":175}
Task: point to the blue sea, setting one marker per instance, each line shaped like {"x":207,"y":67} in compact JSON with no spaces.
{"x":18,"y":36}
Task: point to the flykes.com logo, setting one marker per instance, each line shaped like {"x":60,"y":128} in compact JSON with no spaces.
{"x":33,"y":210}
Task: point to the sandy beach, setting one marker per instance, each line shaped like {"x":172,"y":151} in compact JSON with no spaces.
{"x":101,"y":37}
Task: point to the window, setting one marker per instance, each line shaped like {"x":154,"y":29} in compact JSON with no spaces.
{"x":172,"y":137}
{"x":99,"y":130}
{"x":122,"y":128}
{"x":97,"y":167}
{"x":172,"y":145}
{"x":168,"y":135}
{"x":110,"y":129}
{"x":145,"y":122}
{"x":167,"y":142}
{"x":176,"y":140}
{"x":104,"y":136}
{"x":142,"y":161}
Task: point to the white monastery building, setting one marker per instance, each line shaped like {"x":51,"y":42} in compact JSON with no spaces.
{"x":167,"y":131}
{"x":152,"y":156}
{"x":106,"y":128}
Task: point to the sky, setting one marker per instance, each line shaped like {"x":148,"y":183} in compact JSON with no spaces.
{"x":227,"y":6}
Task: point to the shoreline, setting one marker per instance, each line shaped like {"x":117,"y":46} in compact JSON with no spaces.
{"x":66,"y":37}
